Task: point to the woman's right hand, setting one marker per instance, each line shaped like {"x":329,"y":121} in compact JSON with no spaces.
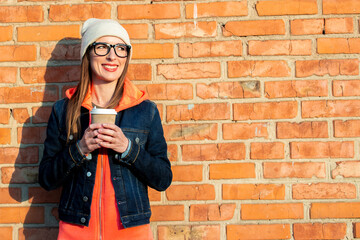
{"x":89,"y":142}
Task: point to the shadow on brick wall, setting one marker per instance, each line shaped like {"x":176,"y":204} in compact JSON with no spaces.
{"x":37,"y":209}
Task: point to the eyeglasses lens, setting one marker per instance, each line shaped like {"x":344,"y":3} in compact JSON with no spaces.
{"x":103,"y":49}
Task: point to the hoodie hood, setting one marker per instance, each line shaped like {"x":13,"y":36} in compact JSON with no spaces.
{"x":132,"y":96}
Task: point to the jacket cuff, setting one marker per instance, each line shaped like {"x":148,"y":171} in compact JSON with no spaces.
{"x":75,"y":154}
{"x":132,"y":155}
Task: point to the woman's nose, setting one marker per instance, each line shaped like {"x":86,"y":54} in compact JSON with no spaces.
{"x":111,"y":55}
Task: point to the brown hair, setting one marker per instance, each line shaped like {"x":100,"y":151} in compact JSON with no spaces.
{"x":73,"y":125}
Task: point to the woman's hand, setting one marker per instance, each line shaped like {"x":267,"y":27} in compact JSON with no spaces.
{"x":90,"y":142}
{"x":112,"y":137}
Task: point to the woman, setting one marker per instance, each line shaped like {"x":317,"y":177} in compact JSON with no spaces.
{"x":104,"y":169}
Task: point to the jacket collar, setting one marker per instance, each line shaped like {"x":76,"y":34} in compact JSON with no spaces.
{"x":132,"y":96}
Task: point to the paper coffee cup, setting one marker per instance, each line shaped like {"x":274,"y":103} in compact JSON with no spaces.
{"x":102,"y":115}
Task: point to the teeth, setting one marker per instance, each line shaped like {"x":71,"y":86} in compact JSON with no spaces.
{"x":111,"y":67}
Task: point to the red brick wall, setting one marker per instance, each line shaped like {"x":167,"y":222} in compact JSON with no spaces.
{"x":259,"y":101}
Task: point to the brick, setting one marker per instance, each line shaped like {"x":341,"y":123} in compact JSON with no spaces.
{"x":301,"y":88}
{"x":149,"y":11}
{"x":48,"y":33}
{"x":64,"y":52}
{"x":206,"y":111}
{"x":247,"y":68}
{"x":179,"y":91}
{"x":154,"y":195}
{"x":39,"y":195}
{"x":258,"y":231}
{"x":21,"y":115}
{"x":339,"y":25}
{"x":78,"y":12}
{"x":26,"y":215}
{"x":4,"y":115}
{"x":300,"y":150}
{"x":211,"y":212}
{"x":8,"y":74}
{"x":31,"y":135}
{"x":38,"y":233}
{"x":267,"y":150}
{"x":307,"y":26}
{"x":173,"y":232}
{"x":341,"y":6}
{"x":319,"y":230}
{"x":253,"y":192}
{"x":349,"y":128}
{"x":10,"y":195}
{"x":331,"y":67}
{"x":286,"y":7}
{"x":190,"y":132}
{"x":152,"y":50}
{"x":254,"y":28}
{"x":16,"y":155}
{"x":6,"y":233}
{"x":252,"y":111}
{"x":139,"y":72}
{"x":302,"y":130}
{"x":210,"y":49}
{"x":346,"y":88}
{"x":137,"y":31}
{"x":5,"y":136}
{"x":335,"y":210}
{"x":228,"y":90}
{"x":232,"y":171}
{"x":185,"y":30}
{"x":187,"y":173}
{"x":210,"y":152}
{"x":189,"y":70}
{"x":28,"y":94}
{"x":346,"y":169}
{"x":50,"y":74}
{"x":216,"y":9}
{"x":10,"y":14}
{"x":324,"y":191}
{"x":356,"y":229}
{"x":330,"y":108}
{"x":280,"y":47}
{"x":172,"y":152}
{"x":167,"y":213}
{"x":19,"y":175}
{"x":338,"y":45}
{"x":190,"y":192}
{"x":272,"y":211}
{"x":294,"y":170}
{"x":17,"y":53}
{"x":41,"y":114}
{"x":232,"y":131}
{"x":6,"y":33}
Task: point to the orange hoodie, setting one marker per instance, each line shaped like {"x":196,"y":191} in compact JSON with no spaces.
{"x":105,"y":220}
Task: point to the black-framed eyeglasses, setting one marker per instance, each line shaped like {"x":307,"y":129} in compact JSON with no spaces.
{"x":102,"y":49}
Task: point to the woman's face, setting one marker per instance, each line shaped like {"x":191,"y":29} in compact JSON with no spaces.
{"x":107,"y":68}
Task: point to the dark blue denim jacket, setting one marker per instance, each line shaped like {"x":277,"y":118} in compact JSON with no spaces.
{"x":145,"y":165}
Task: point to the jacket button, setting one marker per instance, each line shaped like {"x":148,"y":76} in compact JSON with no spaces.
{"x":85,"y":198}
{"x":137,"y":140}
{"x":82,"y":220}
{"x":88,"y":174}
{"x":117,"y":156}
{"x":71,"y":137}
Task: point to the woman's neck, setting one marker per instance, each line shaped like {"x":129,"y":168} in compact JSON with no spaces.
{"x":102,"y":92}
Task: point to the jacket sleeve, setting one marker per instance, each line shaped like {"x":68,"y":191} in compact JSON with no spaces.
{"x":59,"y":158}
{"x":150,"y":162}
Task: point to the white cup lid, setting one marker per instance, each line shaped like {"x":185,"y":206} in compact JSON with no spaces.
{"x":103,"y":111}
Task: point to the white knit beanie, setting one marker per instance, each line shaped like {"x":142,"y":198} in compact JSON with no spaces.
{"x":94,"y":29}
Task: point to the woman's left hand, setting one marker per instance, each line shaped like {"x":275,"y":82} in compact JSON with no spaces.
{"x":112,"y":137}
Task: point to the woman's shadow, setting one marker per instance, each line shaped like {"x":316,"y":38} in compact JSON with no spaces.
{"x":36,"y":209}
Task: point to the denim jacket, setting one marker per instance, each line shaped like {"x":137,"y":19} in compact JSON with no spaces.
{"x":145,"y":165}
